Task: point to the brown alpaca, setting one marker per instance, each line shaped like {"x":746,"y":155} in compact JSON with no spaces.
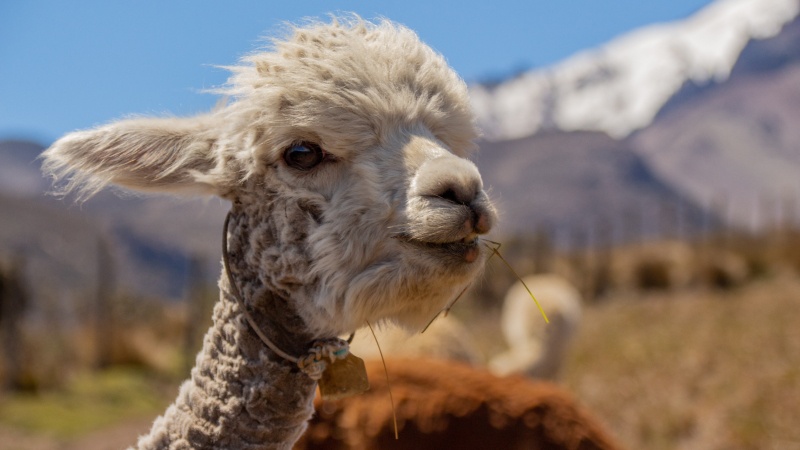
{"x":450,"y":405}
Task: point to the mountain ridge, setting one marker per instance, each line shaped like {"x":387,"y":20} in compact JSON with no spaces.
{"x":620,"y":86}
{"x":576,"y":182}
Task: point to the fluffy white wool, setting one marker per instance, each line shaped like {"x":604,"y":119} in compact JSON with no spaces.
{"x":382,"y":229}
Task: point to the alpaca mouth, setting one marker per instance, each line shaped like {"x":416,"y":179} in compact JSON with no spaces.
{"x":465,"y":249}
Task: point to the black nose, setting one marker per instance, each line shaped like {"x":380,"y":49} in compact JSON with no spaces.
{"x":450,"y":178}
{"x":457,"y":181}
{"x":481,"y":214}
{"x":458,"y":194}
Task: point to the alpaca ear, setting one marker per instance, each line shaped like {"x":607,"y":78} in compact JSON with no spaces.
{"x":153,"y":155}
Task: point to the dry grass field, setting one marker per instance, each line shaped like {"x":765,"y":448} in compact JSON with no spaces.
{"x":695,"y":369}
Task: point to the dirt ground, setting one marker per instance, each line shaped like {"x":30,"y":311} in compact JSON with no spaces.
{"x":695,"y":370}
{"x":117,"y":437}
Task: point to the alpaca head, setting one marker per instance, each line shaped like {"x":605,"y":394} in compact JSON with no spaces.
{"x":343,"y":151}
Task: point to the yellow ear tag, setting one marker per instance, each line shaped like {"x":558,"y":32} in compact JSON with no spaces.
{"x":344,"y":378}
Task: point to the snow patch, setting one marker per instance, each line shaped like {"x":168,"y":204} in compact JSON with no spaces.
{"x":620,"y":87}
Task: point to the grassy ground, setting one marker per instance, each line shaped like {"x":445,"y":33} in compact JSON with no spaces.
{"x":90,"y":402}
{"x":695,"y":369}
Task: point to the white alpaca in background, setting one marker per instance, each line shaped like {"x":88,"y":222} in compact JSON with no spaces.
{"x":537,"y":349}
{"x":343,"y":155}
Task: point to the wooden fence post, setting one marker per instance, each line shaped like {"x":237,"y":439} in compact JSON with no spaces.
{"x":195,"y":311}
{"x":14,"y":300}
{"x":104,"y":311}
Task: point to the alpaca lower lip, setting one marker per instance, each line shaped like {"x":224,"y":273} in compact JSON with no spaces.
{"x":466,"y":249}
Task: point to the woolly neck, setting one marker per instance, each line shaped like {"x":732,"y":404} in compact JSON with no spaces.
{"x":241,"y":394}
{"x":272,"y":308}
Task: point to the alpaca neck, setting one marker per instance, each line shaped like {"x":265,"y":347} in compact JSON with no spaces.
{"x":241,"y":395}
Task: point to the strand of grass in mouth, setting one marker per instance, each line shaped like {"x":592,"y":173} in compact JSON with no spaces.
{"x":496,"y":252}
{"x":388,"y":385}
{"x":446,"y":310}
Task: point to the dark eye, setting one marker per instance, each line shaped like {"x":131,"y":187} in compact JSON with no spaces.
{"x":304,"y":156}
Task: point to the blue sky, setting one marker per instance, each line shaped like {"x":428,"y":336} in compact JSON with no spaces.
{"x":67,"y":65}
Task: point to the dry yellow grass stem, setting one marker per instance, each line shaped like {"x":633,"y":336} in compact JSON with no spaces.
{"x":388,"y":385}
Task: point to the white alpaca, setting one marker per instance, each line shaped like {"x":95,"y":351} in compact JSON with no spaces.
{"x":343,"y":155}
{"x":537,"y":349}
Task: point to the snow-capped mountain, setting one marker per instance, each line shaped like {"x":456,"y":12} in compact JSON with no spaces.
{"x":621,"y":86}
{"x":733,"y":146}
{"x":715,"y":128}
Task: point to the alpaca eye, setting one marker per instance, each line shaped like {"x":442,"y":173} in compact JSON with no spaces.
{"x":304,"y":156}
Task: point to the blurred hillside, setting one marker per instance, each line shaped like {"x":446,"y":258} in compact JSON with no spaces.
{"x":150,"y":239}
{"x":583,"y":183}
{"x":709,"y":103}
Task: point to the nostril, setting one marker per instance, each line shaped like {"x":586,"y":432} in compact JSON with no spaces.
{"x":450,"y":195}
{"x":449,"y":178}
{"x":456,"y":193}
